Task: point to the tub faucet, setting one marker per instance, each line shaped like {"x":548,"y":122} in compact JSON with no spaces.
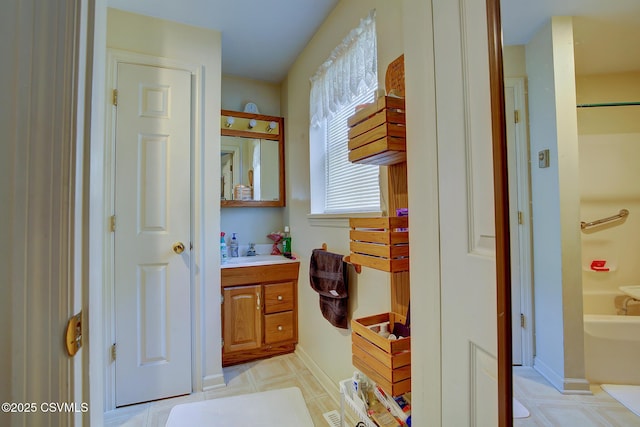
{"x":252,"y":249}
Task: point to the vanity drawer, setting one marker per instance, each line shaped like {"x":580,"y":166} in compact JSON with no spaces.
{"x":278,"y":327}
{"x":278,"y":297}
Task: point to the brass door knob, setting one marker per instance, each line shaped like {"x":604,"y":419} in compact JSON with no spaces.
{"x":178,"y":247}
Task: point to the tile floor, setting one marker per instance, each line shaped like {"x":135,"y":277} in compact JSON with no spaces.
{"x":548,"y":407}
{"x":277,"y":372}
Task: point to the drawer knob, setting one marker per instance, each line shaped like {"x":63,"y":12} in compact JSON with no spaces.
{"x":280,"y":328}
{"x":280,"y":298}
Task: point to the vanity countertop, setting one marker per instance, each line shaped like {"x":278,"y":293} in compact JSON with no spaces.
{"x":254,"y":261}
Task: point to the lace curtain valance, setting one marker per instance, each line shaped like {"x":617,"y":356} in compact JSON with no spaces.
{"x":351,"y":69}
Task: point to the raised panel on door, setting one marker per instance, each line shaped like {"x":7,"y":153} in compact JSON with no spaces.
{"x":242,"y":318}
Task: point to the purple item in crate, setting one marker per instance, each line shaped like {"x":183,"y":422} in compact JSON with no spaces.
{"x":402,"y":212}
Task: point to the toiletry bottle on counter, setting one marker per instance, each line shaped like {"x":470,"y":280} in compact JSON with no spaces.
{"x":233,"y":246}
{"x":286,"y":243}
{"x":223,"y":249}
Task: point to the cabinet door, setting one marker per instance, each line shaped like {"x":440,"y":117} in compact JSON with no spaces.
{"x":242,"y":318}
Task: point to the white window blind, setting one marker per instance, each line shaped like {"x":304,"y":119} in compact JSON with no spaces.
{"x":349,"y":77}
{"x":349,"y":187}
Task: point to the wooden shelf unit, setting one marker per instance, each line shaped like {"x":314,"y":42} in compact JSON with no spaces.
{"x":377,"y":133}
{"x":386,"y":362}
{"x":377,"y":136}
{"x":381,"y":243}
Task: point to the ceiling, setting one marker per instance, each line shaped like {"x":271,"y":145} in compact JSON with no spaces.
{"x":606,"y":32}
{"x":261,"y":39}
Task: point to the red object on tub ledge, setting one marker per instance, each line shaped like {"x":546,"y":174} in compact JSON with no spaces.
{"x":599,"y":265}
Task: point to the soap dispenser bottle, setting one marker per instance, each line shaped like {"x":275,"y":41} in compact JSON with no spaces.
{"x":223,"y":249}
{"x":233,"y":246}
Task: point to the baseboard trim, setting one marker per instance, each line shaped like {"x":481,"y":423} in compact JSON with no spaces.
{"x":332,"y":388}
{"x":211,"y":382}
{"x":564,"y":385}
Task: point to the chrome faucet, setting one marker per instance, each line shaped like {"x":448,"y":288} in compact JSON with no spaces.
{"x":252,"y":249}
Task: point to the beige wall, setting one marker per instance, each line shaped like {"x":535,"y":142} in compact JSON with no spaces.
{"x":609,"y":176}
{"x":329,"y":347}
{"x":514,"y":63}
{"x":617,"y":87}
{"x":201,"y":48}
{"x":237,"y":91}
{"x":555,"y":205}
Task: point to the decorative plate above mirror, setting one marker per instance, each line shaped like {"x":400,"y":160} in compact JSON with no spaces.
{"x":252,"y":160}
{"x":250,"y":107}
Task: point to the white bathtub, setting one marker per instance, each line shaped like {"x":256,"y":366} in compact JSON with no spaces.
{"x":599,"y":302}
{"x":612,"y":349}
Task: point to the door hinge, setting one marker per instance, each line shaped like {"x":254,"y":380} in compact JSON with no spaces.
{"x":520,"y":220}
{"x":516,"y":116}
{"x":115,"y":97}
{"x":222,"y":343}
{"x":112,"y":223}
{"x":73,"y":334}
{"x":221,"y":298}
{"x":522,"y":320}
{"x":113,"y":352}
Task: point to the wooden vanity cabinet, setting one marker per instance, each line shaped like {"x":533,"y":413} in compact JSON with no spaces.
{"x":259,"y":311}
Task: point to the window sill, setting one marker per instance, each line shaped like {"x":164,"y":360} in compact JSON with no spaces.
{"x":340,"y":220}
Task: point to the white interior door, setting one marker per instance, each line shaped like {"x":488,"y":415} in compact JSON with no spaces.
{"x":514,"y":219}
{"x":519,"y":221}
{"x":467,"y":229}
{"x":152,"y":208}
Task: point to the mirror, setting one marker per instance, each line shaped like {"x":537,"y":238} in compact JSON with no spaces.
{"x":251,"y":159}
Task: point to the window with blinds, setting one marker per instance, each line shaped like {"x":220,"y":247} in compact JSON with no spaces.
{"x":349,"y":187}
{"x":348,"y":77}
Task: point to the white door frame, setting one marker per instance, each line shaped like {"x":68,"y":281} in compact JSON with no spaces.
{"x":115,"y":57}
{"x":523,"y":204}
{"x":237,"y":156}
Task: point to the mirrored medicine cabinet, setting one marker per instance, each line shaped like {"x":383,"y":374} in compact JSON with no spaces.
{"x":252,"y":160}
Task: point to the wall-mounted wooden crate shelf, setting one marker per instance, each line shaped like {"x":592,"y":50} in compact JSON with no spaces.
{"x":381,"y":243}
{"x":386,"y":362}
{"x":377,"y":133}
